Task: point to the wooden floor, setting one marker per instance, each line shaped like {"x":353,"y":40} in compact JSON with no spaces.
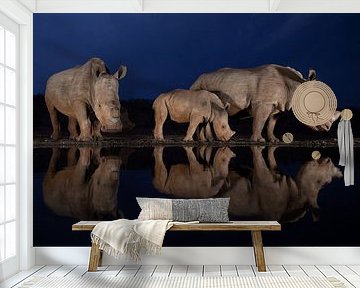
{"x":350,"y":275}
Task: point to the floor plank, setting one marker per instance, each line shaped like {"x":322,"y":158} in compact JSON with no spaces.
{"x":294,"y":270}
{"x":78,"y":271}
{"x":311,"y":271}
{"x":245,"y":270}
{"x":95,"y":274}
{"x":195,"y":271}
{"x":146,"y":270}
{"x":62,"y":271}
{"x":348,"y":274}
{"x":112,"y":270}
{"x":328,"y":271}
{"x":228,"y":270}
{"x":129,"y":270}
{"x":178,"y":270}
{"x":278,"y":270}
{"x":20,"y":277}
{"x":355,"y":268}
{"x":212,"y":270}
{"x":162,"y":271}
{"x":46,"y":271}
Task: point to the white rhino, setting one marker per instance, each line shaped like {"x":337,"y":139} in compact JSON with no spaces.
{"x":195,"y":107}
{"x":79,"y":91}
{"x":265,"y":91}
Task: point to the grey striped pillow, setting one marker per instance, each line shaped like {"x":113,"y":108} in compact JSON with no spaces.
{"x":213,"y":210}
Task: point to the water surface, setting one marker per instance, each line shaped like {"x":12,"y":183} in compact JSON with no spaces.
{"x":284,"y":184}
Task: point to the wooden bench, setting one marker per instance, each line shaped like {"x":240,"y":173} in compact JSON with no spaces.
{"x":254,"y":226}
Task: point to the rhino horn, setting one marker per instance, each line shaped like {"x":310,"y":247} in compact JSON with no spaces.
{"x":312,"y":74}
{"x":121,"y":72}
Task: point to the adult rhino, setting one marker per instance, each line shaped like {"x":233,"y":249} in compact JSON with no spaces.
{"x":266,"y":90}
{"x":79,"y":91}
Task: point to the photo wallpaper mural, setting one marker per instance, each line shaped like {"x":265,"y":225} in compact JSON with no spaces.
{"x":245,"y":106}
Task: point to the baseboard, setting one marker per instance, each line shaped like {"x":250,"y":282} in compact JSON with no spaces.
{"x":210,"y":256}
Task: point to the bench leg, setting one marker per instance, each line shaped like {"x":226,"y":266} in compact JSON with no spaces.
{"x":258,"y":250}
{"x":95,"y":257}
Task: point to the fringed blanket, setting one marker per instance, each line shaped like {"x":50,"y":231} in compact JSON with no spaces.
{"x":130,"y":237}
{"x":346,"y":150}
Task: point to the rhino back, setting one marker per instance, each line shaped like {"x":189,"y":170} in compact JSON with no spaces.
{"x":271,"y":84}
{"x":72,"y":84}
{"x":182,"y":103}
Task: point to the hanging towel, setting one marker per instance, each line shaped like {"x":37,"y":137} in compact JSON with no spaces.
{"x":130,"y":237}
{"x":346,"y":150}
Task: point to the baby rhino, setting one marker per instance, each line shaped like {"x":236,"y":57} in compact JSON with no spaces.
{"x":195,"y":107}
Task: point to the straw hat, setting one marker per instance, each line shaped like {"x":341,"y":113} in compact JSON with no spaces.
{"x":314,"y":103}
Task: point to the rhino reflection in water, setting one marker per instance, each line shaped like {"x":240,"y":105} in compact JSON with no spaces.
{"x":193,"y":180}
{"x":270,"y":195}
{"x":86,"y":189}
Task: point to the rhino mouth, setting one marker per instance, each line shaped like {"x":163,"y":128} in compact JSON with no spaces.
{"x":227,"y":138}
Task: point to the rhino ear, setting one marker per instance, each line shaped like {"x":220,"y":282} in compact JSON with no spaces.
{"x":97,"y":70}
{"x":121,"y":73}
{"x":312,"y":75}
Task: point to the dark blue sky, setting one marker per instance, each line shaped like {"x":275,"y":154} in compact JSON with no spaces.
{"x":168,"y":51}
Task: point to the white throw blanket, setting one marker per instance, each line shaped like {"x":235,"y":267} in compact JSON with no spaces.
{"x":130,"y":237}
{"x":346,"y":150}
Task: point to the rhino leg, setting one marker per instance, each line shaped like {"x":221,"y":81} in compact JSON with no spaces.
{"x":53,"y":162}
{"x":54,"y":121}
{"x":208,"y":133}
{"x":204,"y":133}
{"x":260,"y":113}
{"x":83,"y":120}
{"x":161,"y":114}
{"x":195,"y":120}
{"x":71,"y":156}
{"x":205,"y":153}
{"x":260,"y":167}
{"x":72,"y":128}
{"x":270,"y":129}
{"x":194,"y":165}
{"x":271,"y":158}
{"x":96,"y":132}
{"x":85,"y":157}
{"x":200,"y":133}
{"x":160,"y":171}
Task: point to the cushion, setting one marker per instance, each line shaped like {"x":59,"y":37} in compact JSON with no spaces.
{"x":213,"y":210}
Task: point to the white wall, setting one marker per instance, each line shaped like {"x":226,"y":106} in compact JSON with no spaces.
{"x":23,"y":16}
